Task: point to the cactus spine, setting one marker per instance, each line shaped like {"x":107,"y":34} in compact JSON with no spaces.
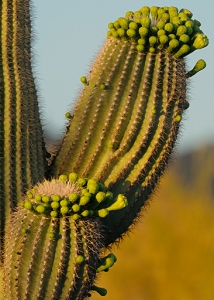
{"x":117,"y":145}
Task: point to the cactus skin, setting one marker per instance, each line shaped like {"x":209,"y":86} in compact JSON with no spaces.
{"x":121,"y":133}
{"x":22,"y":161}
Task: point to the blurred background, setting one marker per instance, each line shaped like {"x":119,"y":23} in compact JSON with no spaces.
{"x":170,"y":253}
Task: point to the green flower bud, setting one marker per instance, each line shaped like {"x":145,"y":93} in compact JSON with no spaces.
{"x":84,"y":200}
{"x":169,"y":27}
{"x":73,"y":197}
{"x":101,"y":186}
{"x":72,"y":177}
{"x":154,"y":30}
{"x":110,"y":25}
{"x":163,"y":39}
{"x":120,"y":203}
{"x":82,"y":182}
{"x":92,"y":186}
{"x":140,"y":48}
{"x":187,"y":12}
{"x":152,"y":40}
{"x":64,"y":210}
{"x":145,"y":11}
{"x":133,"y":25}
{"x":101,"y":291}
{"x":55,"y":205}
{"x":201,"y":41}
{"x":85,"y":213}
{"x":121,"y":32}
{"x":146,"y":22}
{"x":75,"y":208}
{"x":143,"y":31}
{"x":54,"y":214}
{"x":129,"y":14}
{"x":28,"y":205}
{"x":131,"y":33}
{"x":103,"y":86}
{"x":79,"y":259}
{"x":165,"y":17}
{"x":176,"y":21}
{"x":184,"y":38}
{"x":116,"y":25}
{"x":183,"y":17}
{"x":189,"y":23}
{"x":184,"y":50}
{"x":46,"y":199}
{"x":142,"y":41}
{"x":64,"y":202}
{"x":160,"y":24}
{"x":173,"y":44}
{"x":102,"y":213}
{"x":75,"y":217}
{"x":41,"y":209}
{"x":154,"y":11}
{"x":83,"y":79}
{"x":161,"y":11}
{"x":171,"y":36}
{"x":173,"y":9}
{"x":161,"y":32}
{"x":109,"y":196}
{"x":200,"y":65}
{"x":181,"y":30}
{"x":63,"y":178}
{"x":56,"y":198}
{"x":68,"y":115}
{"x":100,"y":197}
{"x":123,"y":23}
{"x":138,"y":13}
{"x":38,"y":197}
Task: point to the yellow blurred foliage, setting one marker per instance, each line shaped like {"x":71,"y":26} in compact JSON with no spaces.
{"x":170,"y":253}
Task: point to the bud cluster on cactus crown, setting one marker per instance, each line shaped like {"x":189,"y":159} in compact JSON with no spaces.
{"x":160,"y":28}
{"x":72,"y":196}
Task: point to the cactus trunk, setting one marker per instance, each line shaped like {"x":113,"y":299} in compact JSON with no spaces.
{"x":21,"y":149}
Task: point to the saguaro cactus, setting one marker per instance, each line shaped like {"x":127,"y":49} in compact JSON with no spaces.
{"x":118,"y":141}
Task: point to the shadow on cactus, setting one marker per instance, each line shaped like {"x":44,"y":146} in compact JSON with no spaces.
{"x":59,"y":214}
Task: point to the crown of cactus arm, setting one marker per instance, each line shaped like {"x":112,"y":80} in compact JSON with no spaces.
{"x":125,"y":124}
{"x":22,"y":161}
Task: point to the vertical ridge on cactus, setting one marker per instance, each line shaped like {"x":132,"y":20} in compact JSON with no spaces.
{"x":118,"y":142}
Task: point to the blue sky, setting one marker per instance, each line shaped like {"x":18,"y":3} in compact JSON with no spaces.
{"x":70,"y":33}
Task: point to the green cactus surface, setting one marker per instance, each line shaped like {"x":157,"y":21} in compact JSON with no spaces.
{"x":59,"y":214}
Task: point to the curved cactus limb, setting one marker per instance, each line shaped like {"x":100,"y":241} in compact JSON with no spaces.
{"x":126,"y":121}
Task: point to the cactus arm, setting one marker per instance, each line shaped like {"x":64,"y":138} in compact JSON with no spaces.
{"x":127,"y":119}
{"x":22,"y":161}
